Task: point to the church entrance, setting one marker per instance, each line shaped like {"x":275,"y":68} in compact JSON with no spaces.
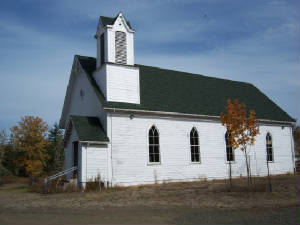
{"x":75,"y":157}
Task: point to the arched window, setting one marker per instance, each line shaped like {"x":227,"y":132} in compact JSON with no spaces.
{"x":269,"y":146}
{"x":194,"y":141}
{"x":120,"y":47}
{"x":229,"y":149}
{"x":154,"y":145}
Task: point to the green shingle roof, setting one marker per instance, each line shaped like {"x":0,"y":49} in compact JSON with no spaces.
{"x":174,"y":91}
{"x":89,"y":128}
{"x":110,"y":21}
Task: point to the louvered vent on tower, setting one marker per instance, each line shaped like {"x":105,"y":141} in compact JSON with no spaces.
{"x":121,"y":48}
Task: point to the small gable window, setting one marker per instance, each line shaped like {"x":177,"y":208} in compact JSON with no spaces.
{"x":121,"y":47}
{"x":270,"y":157}
{"x":229,"y":149}
{"x":194,"y":142}
{"x":154,"y":156}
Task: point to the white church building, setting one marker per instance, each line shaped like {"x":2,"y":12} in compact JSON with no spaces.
{"x":133,"y":124}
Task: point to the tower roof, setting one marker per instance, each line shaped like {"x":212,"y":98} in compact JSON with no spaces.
{"x":110,"y":21}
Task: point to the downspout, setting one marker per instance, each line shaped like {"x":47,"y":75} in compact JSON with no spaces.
{"x":292,"y":148}
{"x":86,"y":164}
{"x":111,"y":148}
{"x":107,"y":159}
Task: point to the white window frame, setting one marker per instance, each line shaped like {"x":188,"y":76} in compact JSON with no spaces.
{"x":232,"y":149}
{"x":198,"y":146}
{"x":148,"y":149}
{"x":272,"y":148}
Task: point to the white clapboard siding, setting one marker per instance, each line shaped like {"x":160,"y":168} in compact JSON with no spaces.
{"x":119,"y":83}
{"x":84,"y":101}
{"x":130,"y":151}
{"x":94,"y":163}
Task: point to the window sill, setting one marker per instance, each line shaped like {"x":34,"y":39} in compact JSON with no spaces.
{"x":195,"y":163}
{"x":153,"y":164}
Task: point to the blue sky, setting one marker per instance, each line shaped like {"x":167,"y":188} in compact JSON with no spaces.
{"x":253,"y":41}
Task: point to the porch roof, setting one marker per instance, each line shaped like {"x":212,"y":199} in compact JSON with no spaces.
{"x":89,"y":129}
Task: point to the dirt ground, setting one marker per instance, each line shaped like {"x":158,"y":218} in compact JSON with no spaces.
{"x":203,"y":202}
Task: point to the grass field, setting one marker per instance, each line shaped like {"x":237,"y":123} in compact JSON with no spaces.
{"x":173,"y":203}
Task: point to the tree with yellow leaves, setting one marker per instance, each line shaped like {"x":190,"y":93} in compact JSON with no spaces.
{"x":242,"y":128}
{"x":30,"y":138}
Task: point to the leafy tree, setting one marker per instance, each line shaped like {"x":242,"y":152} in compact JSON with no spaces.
{"x":242,"y":128}
{"x":3,"y":138}
{"x":9,"y":162}
{"x":55,"y":150}
{"x":31,"y":143}
{"x":3,"y":144}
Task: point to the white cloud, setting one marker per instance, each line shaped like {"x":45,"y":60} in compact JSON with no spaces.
{"x":258,"y":43}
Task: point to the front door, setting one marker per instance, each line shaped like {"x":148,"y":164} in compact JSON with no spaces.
{"x":75,"y":156}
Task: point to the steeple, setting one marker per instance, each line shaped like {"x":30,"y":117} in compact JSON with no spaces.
{"x":116,"y":75}
{"x":114,"y":41}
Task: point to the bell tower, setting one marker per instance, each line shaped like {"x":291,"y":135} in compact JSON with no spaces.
{"x":114,"y":41}
{"x":116,"y":74}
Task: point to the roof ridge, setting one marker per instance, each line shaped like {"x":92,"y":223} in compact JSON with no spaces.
{"x":194,"y":74}
{"x":177,"y":71}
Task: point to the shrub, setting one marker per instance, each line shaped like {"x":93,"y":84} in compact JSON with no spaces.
{"x":94,"y":184}
{"x":52,"y":186}
{"x":4,"y":173}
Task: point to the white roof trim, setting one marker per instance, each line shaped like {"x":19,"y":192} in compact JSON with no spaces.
{"x":94,"y":142}
{"x":188,"y":115}
{"x":120,"y":15}
{"x":76,"y":69}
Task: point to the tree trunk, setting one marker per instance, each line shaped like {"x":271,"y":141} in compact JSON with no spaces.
{"x":230,"y":176}
{"x":247,"y":166}
{"x":250,"y":175}
{"x":269,"y":178}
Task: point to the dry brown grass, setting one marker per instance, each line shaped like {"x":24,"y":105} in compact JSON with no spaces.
{"x":172,"y":203}
{"x":14,"y":180}
{"x":208,"y":194}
